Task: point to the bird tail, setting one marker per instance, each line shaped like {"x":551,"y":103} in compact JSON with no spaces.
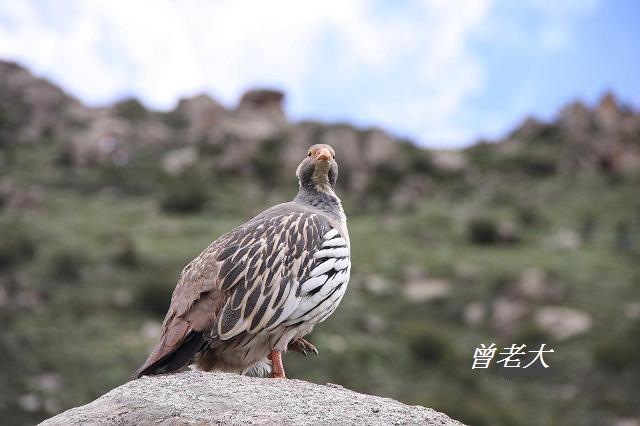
{"x":164,"y":359}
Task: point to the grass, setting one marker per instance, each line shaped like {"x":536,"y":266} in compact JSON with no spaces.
{"x":91,"y":311}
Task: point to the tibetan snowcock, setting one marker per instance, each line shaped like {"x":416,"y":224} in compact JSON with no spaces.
{"x":256,"y":291}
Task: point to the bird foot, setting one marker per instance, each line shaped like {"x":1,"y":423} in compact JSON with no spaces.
{"x":301,"y":345}
{"x":277,"y":368}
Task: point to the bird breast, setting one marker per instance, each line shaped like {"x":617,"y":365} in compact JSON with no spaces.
{"x":322,"y":291}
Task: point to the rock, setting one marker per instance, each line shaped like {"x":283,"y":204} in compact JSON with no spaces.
{"x":626,"y":421}
{"x":47,"y":382}
{"x":410,"y":193}
{"x":150,"y":330}
{"x":608,"y":111}
{"x":13,"y":197}
{"x":449,"y":161}
{"x":373,"y":324}
{"x":564,"y":239}
{"x":4,"y":297}
{"x":39,"y":110}
{"x":179,"y":160}
{"x":425,"y":290}
{"x":202,"y":115}
{"x":474,"y":313}
{"x":465,"y":271}
{"x":530,"y":129}
{"x":263,"y":100}
{"x":219,"y":398}
{"x":562,"y":323}
{"x":631,"y":310}
{"x":375,"y":284}
{"x":507,"y":314}
{"x":30,"y":402}
{"x":335,"y":343}
{"x":534,"y":284}
{"x":122,"y":298}
{"x":413,"y":272}
{"x":508,"y":232}
{"x":380,"y":148}
{"x":574,"y":119}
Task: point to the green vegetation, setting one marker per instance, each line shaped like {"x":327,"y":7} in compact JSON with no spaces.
{"x":16,"y":245}
{"x":530,"y":241}
{"x":87,"y":282}
{"x":184,"y":194}
{"x":131,"y":109}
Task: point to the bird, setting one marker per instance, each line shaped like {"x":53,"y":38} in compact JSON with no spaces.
{"x":258,"y":290}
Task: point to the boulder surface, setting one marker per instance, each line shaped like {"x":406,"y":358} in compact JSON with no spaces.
{"x":195,"y":397}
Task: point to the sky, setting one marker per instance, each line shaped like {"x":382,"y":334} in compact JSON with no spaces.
{"x":443,"y":73}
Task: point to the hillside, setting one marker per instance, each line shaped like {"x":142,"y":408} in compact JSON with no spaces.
{"x":531,"y":239}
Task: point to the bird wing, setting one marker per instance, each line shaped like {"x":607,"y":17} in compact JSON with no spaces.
{"x":276,"y":273}
{"x":273,"y":269}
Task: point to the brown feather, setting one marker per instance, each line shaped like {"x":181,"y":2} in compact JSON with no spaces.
{"x":199,"y":318}
{"x":252,"y":252}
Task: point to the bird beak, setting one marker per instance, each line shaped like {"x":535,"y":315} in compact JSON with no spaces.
{"x":323,"y":154}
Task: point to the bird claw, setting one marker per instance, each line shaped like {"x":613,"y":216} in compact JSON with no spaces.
{"x":303,"y":346}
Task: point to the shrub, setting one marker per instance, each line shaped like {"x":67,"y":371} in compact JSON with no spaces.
{"x":483,"y":231}
{"x":530,"y":335}
{"x":616,"y":353}
{"x":267,"y":162}
{"x":428,"y":344}
{"x":529,"y":215}
{"x":418,"y":160}
{"x":532,"y":162}
{"x":126,"y":254}
{"x":184,"y":194}
{"x":384,"y":179}
{"x":67,"y":265}
{"x":131,"y":109}
{"x":481,"y":155}
{"x":154,"y":295}
{"x":539,"y":165}
{"x":16,"y":245}
{"x":175,"y":119}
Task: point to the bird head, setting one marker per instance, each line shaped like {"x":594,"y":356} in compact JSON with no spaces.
{"x":319,"y":169}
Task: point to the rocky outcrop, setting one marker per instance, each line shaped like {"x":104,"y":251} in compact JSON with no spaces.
{"x":256,"y":137}
{"x":265,"y":100}
{"x":219,"y":398}
{"x":32,"y":108}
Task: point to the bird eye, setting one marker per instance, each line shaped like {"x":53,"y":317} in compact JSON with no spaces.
{"x":309,"y":154}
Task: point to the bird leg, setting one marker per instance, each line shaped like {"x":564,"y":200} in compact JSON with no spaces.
{"x":277,"y":369}
{"x":301,"y":345}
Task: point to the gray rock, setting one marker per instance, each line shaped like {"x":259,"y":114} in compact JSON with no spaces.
{"x":561,"y":322}
{"x":264,"y":100}
{"x":195,"y":397}
{"x":424,"y":290}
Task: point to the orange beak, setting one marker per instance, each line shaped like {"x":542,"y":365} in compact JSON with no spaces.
{"x":323,"y":154}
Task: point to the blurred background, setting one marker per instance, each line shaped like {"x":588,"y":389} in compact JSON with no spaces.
{"x":489,"y":159}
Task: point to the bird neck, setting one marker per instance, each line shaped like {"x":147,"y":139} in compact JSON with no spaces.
{"x":322,"y":198}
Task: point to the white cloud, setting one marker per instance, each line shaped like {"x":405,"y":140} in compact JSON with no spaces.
{"x":408,"y":66}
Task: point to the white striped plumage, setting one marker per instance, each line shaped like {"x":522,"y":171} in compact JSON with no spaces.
{"x":311,"y":282}
{"x":263,"y":285}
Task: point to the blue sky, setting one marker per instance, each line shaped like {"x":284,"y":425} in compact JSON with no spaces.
{"x":441,"y":72}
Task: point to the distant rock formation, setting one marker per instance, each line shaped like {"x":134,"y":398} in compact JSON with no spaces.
{"x":256,"y":135}
{"x":263,"y":100}
{"x":219,"y":398}
{"x":605,"y":138}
